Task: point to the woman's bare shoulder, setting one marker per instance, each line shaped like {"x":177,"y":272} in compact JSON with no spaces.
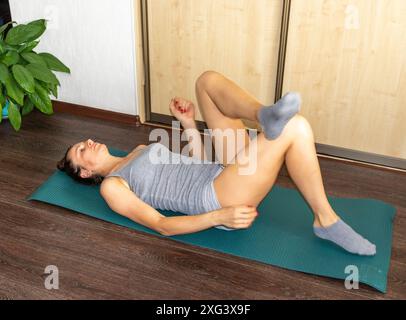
{"x":113,"y":181}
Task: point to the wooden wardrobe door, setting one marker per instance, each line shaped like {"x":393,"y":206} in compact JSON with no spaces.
{"x":239,"y":38}
{"x":348,"y":60}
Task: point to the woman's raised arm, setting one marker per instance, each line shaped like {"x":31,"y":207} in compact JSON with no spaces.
{"x":184,"y":111}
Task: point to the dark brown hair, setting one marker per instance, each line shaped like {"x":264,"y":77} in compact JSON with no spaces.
{"x":73,"y":171}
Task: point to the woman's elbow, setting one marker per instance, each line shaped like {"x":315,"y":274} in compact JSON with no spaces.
{"x":165,"y":233}
{"x":161,"y":228}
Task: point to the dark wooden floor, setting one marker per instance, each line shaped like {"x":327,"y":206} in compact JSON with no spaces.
{"x":98,"y":260}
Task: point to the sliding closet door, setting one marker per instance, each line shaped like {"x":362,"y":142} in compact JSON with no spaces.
{"x":348,"y":60}
{"x":239,"y":38}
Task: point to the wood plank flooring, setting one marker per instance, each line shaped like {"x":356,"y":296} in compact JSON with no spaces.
{"x":99,"y":260}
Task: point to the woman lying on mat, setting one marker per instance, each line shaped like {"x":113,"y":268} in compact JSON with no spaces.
{"x":216,"y":194}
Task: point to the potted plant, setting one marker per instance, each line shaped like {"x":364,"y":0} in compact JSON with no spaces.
{"x":26,"y":77}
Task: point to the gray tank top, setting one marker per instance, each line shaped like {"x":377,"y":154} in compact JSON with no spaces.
{"x":170,"y":181}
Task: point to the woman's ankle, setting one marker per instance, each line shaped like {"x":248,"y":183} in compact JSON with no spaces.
{"x":325,"y":220}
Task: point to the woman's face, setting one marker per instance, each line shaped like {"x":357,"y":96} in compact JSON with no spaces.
{"x":88,"y":155}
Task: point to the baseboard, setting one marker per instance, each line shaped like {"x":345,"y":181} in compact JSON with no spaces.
{"x":350,"y":155}
{"x":71,"y":108}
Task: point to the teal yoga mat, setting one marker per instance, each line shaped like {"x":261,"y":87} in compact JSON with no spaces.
{"x":281,"y":235}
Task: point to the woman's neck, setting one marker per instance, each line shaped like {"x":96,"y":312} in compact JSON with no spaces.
{"x":112,"y":164}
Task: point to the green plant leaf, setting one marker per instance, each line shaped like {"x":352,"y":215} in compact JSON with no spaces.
{"x":14,"y":91}
{"x":2,"y":97}
{"x":14,"y":115}
{"x":40,"y":99}
{"x":54,"y":63}
{"x":11,"y":48}
{"x":2,"y":48}
{"x":26,"y":32}
{"x":32,"y":57}
{"x":43,"y":84}
{"x":28,"y":46}
{"x":24,"y":78}
{"x":4,"y":26}
{"x":4,"y":73}
{"x":22,"y":62}
{"x":54,"y":90}
{"x":47,"y":86}
{"x":42,"y":73}
{"x":10,"y":58}
{"x":44,"y":95}
{"x":27,"y":107}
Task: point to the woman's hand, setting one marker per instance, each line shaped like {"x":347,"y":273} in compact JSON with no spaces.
{"x":238,"y":217}
{"x":183,"y":110}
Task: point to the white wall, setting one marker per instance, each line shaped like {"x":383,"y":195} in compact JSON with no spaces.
{"x":96,"y":40}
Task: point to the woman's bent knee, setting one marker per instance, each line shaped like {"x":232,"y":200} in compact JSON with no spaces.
{"x":299,"y":125}
{"x":206,"y":79}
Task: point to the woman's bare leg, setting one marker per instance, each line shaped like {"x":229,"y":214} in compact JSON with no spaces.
{"x":230,"y":99}
{"x":220,"y":101}
{"x":223,"y":104}
{"x":304,"y":169}
{"x":294,"y":144}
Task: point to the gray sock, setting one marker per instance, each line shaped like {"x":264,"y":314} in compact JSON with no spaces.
{"x":274,"y":118}
{"x":343,"y":235}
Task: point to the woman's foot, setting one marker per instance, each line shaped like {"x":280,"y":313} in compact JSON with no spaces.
{"x":343,"y":235}
{"x":274,"y":118}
